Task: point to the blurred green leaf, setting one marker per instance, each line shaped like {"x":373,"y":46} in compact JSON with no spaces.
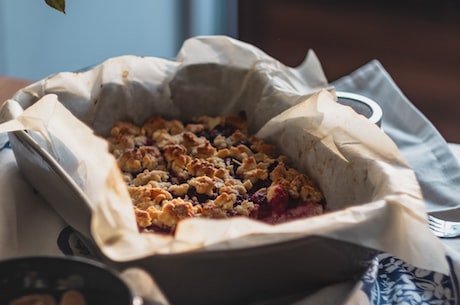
{"x":57,"y":4}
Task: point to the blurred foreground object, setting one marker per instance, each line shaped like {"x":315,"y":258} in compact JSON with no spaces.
{"x":57,"y":4}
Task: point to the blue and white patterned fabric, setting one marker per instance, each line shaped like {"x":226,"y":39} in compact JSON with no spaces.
{"x":392,"y":281}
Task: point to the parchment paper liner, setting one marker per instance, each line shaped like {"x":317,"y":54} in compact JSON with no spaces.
{"x":374,"y":193}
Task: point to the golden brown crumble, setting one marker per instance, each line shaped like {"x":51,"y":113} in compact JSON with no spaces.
{"x":209,"y":167}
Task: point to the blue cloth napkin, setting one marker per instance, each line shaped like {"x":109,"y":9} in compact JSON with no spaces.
{"x":427,"y":152}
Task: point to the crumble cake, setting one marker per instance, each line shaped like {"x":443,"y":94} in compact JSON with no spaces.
{"x":209,"y":167}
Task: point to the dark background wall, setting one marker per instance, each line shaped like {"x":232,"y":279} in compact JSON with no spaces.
{"x":418,"y":43}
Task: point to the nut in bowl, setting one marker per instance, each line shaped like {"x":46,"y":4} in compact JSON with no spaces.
{"x":359,"y":170}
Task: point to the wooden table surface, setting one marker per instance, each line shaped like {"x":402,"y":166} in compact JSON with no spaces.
{"x":8,"y":86}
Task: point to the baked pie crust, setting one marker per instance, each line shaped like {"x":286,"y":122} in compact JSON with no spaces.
{"x":209,"y":167}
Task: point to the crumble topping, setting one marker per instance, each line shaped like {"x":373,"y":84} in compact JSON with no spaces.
{"x":209,"y":167}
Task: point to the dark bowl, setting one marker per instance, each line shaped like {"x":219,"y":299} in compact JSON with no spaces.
{"x":54,"y":276}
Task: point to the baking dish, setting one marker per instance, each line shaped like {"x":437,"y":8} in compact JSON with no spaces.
{"x":357,"y":166}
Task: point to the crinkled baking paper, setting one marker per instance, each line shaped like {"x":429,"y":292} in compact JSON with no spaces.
{"x":373,"y":193}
